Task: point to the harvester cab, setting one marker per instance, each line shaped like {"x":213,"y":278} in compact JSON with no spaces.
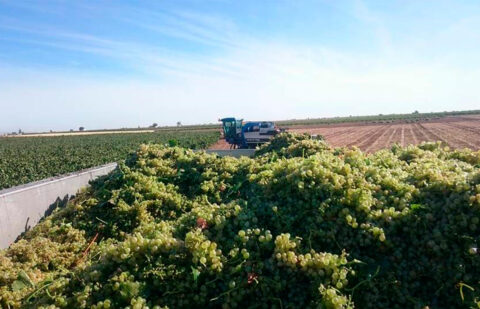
{"x":232,"y":130}
{"x":248,"y":135}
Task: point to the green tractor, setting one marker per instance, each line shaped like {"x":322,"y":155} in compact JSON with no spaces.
{"x":249,"y":134}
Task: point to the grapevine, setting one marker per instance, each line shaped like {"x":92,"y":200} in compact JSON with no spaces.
{"x":27,"y":159}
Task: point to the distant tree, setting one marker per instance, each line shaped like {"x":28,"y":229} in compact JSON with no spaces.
{"x":71,"y":130}
{"x":154,"y":125}
{"x":20,"y":131}
{"x":51,"y":131}
{"x":416,"y":112}
{"x":81,"y":129}
{"x":179,"y":124}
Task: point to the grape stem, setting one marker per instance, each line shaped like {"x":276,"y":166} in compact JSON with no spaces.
{"x":211,"y":281}
{"x":104,"y":222}
{"x":88,"y":248}
{"x":370,"y":278}
{"x":38,"y":290}
{"x":172,"y":292}
{"x":224,"y":293}
{"x":279,"y":301}
{"x":461,"y":285}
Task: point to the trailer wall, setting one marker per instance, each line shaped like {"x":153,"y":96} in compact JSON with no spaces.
{"x":23,"y":206}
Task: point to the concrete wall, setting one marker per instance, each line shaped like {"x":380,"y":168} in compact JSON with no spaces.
{"x":23,"y":206}
{"x":233,"y":152}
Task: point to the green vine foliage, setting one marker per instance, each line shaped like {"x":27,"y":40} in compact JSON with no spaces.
{"x":27,"y":159}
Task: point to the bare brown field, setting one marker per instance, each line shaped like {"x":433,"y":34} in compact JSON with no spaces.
{"x":220,"y":145}
{"x":456,"y":131}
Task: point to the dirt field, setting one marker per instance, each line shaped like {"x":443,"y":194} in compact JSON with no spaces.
{"x":457,"y":132}
{"x":220,"y":145}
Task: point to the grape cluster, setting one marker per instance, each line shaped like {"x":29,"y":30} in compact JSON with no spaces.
{"x":204,"y":251}
{"x":300,"y":225}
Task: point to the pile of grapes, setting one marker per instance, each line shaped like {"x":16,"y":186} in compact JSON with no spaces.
{"x":301,"y":225}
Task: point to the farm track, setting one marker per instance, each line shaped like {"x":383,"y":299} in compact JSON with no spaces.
{"x":221,"y":144}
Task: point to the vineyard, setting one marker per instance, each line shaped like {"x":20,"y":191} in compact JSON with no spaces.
{"x":300,"y":225}
{"x":457,"y":132}
{"x":27,"y":159}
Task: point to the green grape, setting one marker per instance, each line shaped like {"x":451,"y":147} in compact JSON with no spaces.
{"x":300,"y":225}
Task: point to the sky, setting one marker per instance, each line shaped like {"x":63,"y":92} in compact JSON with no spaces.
{"x":112,"y":64}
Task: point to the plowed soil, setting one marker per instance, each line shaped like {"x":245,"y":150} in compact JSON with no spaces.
{"x":456,"y":132}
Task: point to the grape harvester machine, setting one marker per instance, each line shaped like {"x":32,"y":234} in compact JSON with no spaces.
{"x":240,"y":134}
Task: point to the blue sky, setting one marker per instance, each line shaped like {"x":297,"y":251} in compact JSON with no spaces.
{"x":110,"y":64}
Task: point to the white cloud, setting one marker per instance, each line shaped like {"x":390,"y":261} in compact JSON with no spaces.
{"x":276,"y":82}
{"x":246,"y":77}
